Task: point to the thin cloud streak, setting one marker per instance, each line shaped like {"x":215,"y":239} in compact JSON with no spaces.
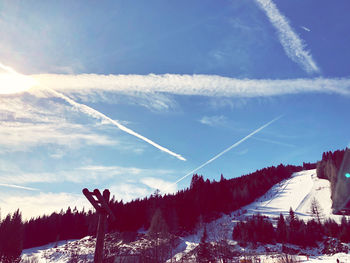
{"x":291,"y":42}
{"x":201,"y":85}
{"x":226,"y":150}
{"x":19,"y":187}
{"x":275,"y":142}
{"x":306,"y":29}
{"x":98,"y":115}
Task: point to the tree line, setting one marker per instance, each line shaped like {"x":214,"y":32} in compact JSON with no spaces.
{"x":203,"y":200}
{"x":290,"y":230}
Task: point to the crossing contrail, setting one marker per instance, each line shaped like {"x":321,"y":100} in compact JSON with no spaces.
{"x":98,"y":115}
{"x":19,"y":187}
{"x":226,"y":150}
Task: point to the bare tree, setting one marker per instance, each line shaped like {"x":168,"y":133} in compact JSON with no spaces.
{"x":316,"y":210}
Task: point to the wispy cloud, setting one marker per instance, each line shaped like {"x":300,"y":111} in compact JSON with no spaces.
{"x":275,"y":142}
{"x":18,"y":136}
{"x":28,"y":121}
{"x":213,"y":121}
{"x":201,"y":85}
{"x":243,"y":152}
{"x":85,"y":174}
{"x":291,"y":42}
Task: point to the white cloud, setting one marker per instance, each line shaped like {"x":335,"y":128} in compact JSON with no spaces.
{"x":213,"y":120}
{"x":19,"y":136}
{"x":201,"y":85}
{"x":42,"y":203}
{"x":84,"y":174}
{"x":291,"y":42}
{"x":27,"y":121}
{"x":156,"y":183}
{"x":128,"y":192}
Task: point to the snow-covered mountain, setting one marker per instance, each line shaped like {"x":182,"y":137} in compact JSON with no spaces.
{"x":296,"y":192}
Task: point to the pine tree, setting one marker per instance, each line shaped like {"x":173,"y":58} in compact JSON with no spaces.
{"x":281,"y":231}
{"x":291,"y":217}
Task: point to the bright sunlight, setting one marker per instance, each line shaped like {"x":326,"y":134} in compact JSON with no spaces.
{"x":14,"y":82}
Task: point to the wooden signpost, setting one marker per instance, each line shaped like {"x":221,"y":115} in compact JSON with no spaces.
{"x":100,"y":203}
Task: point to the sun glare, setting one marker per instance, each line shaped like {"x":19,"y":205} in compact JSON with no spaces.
{"x":13,"y":82}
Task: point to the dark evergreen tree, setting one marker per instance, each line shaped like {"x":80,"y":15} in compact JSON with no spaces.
{"x":204,"y":253}
{"x":11,"y":238}
{"x":281,"y":231}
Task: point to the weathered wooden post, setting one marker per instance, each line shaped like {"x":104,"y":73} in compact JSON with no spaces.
{"x":102,"y":209}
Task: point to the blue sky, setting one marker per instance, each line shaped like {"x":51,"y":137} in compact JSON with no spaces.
{"x":193,"y":77}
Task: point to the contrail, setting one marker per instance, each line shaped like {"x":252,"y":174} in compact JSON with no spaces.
{"x":225,"y":151}
{"x":19,"y":187}
{"x":98,"y":115}
{"x":292,"y":44}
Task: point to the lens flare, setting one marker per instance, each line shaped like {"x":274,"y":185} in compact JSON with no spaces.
{"x":13,"y":82}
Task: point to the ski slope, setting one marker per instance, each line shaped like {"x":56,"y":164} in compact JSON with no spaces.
{"x":297,"y":193}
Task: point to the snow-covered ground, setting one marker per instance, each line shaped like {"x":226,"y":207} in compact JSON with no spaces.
{"x":343,"y":258}
{"x":296,"y":192}
{"x":62,"y":251}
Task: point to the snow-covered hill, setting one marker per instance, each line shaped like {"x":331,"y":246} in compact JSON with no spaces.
{"x":296,"y":192}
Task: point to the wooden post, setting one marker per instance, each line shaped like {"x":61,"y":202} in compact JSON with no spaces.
{"x":102,"y":209}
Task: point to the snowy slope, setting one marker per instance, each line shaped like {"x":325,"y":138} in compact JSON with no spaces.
{"x":62,"y":251}
{"x":297,"y":193}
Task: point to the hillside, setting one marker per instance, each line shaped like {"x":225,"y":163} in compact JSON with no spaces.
{"x":297,"y":192}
